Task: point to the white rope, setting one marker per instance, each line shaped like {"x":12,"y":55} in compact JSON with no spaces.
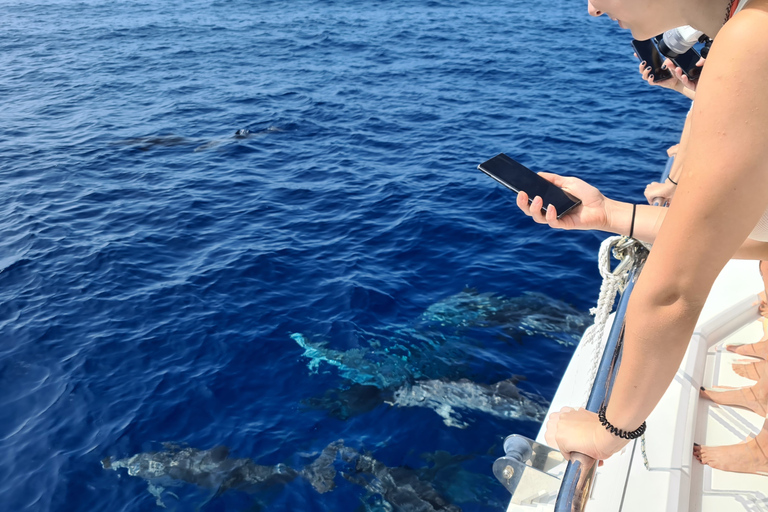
{"x":593,"y":339}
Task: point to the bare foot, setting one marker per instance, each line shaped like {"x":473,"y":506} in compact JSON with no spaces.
{"x":751,"y":398}
{"x":758,"y":349}
{"x":746,"y":457}
{"x":751,"y":371}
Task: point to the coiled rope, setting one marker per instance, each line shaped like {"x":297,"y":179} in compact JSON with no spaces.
{"x":614,"y":281}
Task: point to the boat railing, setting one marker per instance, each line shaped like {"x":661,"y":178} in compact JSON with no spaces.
{"x":529,"y":470}
{"x":524,"y":455}
{"x":658,"y":201}
{"x":579,"y":475}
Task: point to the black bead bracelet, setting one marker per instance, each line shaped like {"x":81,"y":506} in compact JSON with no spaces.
{"x":617,"y":431}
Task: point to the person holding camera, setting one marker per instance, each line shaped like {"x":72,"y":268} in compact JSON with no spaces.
{"x":719,"y":214}
{"x":679,"y":82}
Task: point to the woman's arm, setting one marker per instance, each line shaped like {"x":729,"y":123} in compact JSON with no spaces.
{"x":604,"y":214}
{"x":723,"y":192}
{"x":660,"y":193}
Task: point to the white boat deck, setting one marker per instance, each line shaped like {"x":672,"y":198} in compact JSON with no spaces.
{"x":675,"y":481}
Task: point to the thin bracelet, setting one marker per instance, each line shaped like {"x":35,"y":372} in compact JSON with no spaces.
{"x":632,"y":226}
{"x":673,"y":181}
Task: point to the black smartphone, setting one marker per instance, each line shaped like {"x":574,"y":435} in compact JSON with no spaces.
{"x":519,"y":178}
{"x":687,"y":62}
{"x":647,"y":51}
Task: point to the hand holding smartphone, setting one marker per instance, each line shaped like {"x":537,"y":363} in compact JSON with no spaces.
{"x":519,"y":178}
{"x":687,"y":62}
{"x":647,"y":51}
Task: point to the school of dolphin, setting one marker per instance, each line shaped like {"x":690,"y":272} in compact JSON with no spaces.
{"x":401,"y":373}
{"x":399,"y":488}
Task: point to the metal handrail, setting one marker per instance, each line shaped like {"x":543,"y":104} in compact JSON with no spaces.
{"x":579,"y":475}
{"x":664,"y":175}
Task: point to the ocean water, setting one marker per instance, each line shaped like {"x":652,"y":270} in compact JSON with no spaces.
{"x":164,"y":281}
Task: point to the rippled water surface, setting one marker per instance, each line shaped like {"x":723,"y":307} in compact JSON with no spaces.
{"x":336,"y":273}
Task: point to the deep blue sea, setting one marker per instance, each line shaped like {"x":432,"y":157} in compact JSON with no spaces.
{"x":158,"y":273}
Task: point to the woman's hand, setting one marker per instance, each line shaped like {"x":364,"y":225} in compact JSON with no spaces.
{"x":670,"y":83}
{"x":578,"y":430}
{"x":592,"y":213}
{"x":659,"y":194}
{"x":678,"y":73}
{"x":672,"y":150}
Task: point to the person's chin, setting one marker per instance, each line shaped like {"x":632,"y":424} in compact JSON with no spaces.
{"x":624,"y":26}
{"x":639,"y":34}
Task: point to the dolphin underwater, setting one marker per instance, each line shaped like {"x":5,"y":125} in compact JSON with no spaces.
{"x":530,"y":314}
{"x":208,"y":469}
{"x":381,"y":368}
{"x":446,"y":397}
{"x":406,"y":354}
{"x":502,"y":399}
{"x":401,"y":367}
{"x":398,"y":489}
{"x":378,"y":377}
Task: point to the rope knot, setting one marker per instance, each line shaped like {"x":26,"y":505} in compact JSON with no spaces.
{"x":626,"y":251}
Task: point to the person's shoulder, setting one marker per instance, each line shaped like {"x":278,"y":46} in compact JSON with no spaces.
{"x":747,"y":30}
{"x":740,"y":47}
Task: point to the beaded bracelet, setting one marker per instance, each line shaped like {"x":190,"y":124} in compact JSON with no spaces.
{"x":617,"y":431}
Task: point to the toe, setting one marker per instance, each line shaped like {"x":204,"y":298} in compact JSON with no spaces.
{"x":742,"y":370}
{"x":722,"y":397}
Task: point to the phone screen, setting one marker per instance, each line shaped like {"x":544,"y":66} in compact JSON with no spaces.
{"x":647,"y":51}
{"x":687,"y":62}
{"x":518,"y":177}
